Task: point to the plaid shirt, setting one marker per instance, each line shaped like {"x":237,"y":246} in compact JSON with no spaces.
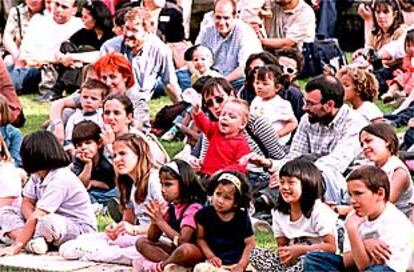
{"x":337,"y":143}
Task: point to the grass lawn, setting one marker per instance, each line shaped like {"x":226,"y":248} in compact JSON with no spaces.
{"x":37,"y":113}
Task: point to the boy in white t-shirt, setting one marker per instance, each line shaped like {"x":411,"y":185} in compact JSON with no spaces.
{"x":380,"y":236}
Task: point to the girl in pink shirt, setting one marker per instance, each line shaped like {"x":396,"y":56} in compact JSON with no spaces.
{"x":175,"y":220}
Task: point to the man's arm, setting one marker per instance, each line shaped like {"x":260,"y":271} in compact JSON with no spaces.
{"x":235,"y":74}
{"x":174,"y":92}
{"x":277,"y":43}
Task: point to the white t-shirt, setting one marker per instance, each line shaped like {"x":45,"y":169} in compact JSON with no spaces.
{"x":153,"y":193}
{"x":10,"y":182}
{"x":369,"y":111}
{"x":321,"y":222}
{"x":393,"y":228}
{"x":44,"y":37}
{"x":277,"y":110}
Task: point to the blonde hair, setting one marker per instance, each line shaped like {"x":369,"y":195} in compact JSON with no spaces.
{"x":141,"y":15}
{"x":365,"y":84}
{"x":243,"y":107}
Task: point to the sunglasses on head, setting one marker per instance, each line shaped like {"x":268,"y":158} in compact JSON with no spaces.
{"x":216,"y":99}
{"x":289,"y":70}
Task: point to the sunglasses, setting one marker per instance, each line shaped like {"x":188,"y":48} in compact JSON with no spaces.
{"x":216,"y":99}
{"x":289,"y":70}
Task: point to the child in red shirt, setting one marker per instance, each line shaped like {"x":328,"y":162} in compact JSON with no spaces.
{"x":227,"y":143}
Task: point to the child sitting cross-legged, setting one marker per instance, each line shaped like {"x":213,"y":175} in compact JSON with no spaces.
{"x":90,"y":164}
{"x":302,"y":223}
{"x":227,"y":141}
{"x":380,"y":236}
{"x":184,"y":196}
{"x":224,"y":230}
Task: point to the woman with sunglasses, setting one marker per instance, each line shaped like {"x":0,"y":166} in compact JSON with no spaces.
{"x":291,"y":62}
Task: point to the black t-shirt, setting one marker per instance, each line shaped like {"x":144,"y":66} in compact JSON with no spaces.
{"x":225,"y":239}
{"x":103,"y":171}
{"x":88,"y":37}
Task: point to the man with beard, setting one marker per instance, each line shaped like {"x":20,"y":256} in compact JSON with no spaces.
{"x":293,"y":23}
{"x":328,"y":132}
{"x":149,"y":56}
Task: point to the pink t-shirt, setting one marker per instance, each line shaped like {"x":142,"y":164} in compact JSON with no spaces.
{"x":187,"y":213}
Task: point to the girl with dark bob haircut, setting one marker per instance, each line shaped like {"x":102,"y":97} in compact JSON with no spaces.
{"x":311,"y":181}
{"x":41,"y":151}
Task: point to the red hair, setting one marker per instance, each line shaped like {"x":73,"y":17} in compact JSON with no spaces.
{"x":115,"y":62}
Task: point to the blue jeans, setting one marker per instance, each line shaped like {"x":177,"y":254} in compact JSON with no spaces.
{"x":25,"y":80}
{"x":184,"y":81}
{"x":327,"y":18}
{"x":101,"y":196}
{"x":325,"y":261}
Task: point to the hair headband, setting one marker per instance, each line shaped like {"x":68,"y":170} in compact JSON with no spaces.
{"x":173,"y":166}
{"x":233,"y":179}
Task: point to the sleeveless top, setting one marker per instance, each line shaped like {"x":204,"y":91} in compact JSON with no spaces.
{"x":406,"y":199}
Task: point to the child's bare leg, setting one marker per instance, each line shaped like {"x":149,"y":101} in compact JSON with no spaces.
{"x":186,"y":255}
{"x":153,"y":251}
{"x":14,"y":233}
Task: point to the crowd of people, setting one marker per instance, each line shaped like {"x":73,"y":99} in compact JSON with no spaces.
{"x":318,"y":165}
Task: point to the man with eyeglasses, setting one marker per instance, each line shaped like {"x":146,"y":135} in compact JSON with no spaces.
{"x":231,"y":41}
{"x":328,"y":132}
{"x":41,"y":44}
{"x":293,"y":23}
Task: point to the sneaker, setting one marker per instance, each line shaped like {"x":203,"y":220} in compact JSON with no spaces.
{"x":37,"y":246}
{"x":170,"y":134}
{"x":78,"y":249}
{"x":114,"y":209}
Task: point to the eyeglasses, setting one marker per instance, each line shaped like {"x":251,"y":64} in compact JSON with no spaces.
{"x":215,"y":100}
{"x":308,"y":103}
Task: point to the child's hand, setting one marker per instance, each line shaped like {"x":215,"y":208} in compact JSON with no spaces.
{"x":196,"y":108}
{"x":156,"y":211}
{"x":110,"y":231}
{"x":237,"y":268}
{"x":216,"y":261}
{"x":353,"y":221}
{"x":274,"y":180}
{"x":288,"y":254}
{"x":83,"y":157}
{"x":124,"y":227}
{"x":107,"y":135}
{"x":194,"y":163}
{"x":11,"y":250}
{"x":378,"y":250}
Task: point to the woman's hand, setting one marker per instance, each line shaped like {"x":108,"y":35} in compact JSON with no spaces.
{"x":365,"y":12}
{"x":378,"y":250}
{"x":66,"y":60}
{"x":288,"y":254}
{"x":107,"y":135}
{"x":156,"y":211}
{"x":216,"y":261}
